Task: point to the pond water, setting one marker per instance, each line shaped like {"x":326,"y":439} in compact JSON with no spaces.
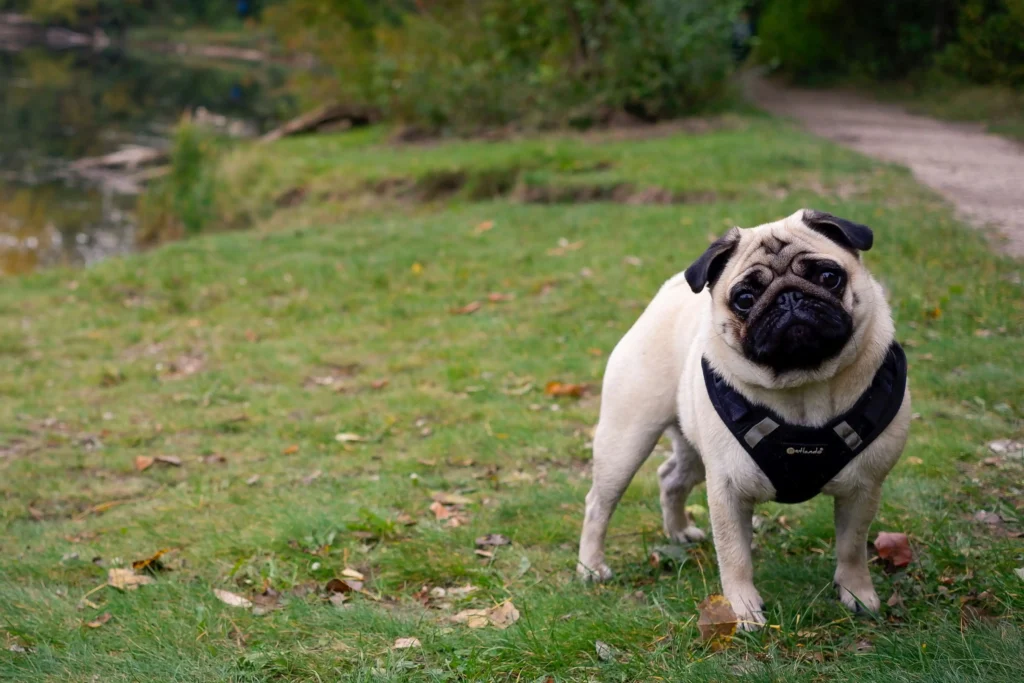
{"x":60,"y":106}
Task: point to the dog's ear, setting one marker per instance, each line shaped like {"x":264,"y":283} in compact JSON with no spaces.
{"x":706,"y":269}
{"x":853,"y":236}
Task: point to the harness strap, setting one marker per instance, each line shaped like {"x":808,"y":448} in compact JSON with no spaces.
{"x":799,"y":460}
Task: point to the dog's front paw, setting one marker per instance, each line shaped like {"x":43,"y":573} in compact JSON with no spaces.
{"x":858,"y":596}
{"x":690,"y":534}
{"x":597,"y":573}
{"x":748,"y":606}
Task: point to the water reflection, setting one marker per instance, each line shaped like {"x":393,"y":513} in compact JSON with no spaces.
{"x":57,"y":107}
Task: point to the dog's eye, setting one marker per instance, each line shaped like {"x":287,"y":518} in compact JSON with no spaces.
{"x":829,"y":279}
{"x":743,"y":301}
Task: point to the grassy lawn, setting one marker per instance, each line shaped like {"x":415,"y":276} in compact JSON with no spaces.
{"x":999,"y":108}
{"x":244,"y":355}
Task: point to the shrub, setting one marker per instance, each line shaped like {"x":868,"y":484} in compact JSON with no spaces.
{"x":472,"y":63}
{"x":977,"y":40}
{"x":182,"y":202}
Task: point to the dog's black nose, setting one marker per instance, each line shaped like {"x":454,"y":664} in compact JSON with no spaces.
{"x":790,"y":298}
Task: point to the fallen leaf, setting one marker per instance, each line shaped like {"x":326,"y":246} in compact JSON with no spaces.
{"x":252,"y":481}
{"x":493,"y":539}
{"x":895,"y":600}
{"x":605,"y":652}
{"x":473,"y":618}
{"x":100,"y":620}
{"x":291,"y":450}
{"x":447,"y":498}
{"x":498,"y":297}
{"x":1014,"y":449}
{"x":126,"y":579}
{"x":989,"y":518}
{"x":406,"y":643}
{"x":151,"y":563}
{"x":595,"y":352}
{"x":143,"y":462}
{"x":486,"y":554}
{"x":717,"y":618}
{"x":560,"y":389}
{"x":634,"y":261}
{"x":251,"y":336}
{"x":232,"y":599}
{"x":171,"y":460}
{"x":483,"y":227}
{"x":311,"y":477}
{"x":504,"y":615}
{"x":894,"y":547}
{"x":1019,"y":571}
{"x":914,"y":460}
{"x":344,"y":586}
{"x":379,"y":383}
{"x":352,"y":574}
{"x":349,"y":437}
{"x":471,"y":307}
{"x":441,"y":512}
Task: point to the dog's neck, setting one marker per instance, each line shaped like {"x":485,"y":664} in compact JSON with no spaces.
{"x":825,"y":393}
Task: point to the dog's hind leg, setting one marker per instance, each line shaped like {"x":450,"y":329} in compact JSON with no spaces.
{"x":618,"y":454}
{"x":678,"y":475}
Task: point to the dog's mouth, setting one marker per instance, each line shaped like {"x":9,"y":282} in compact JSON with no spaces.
{"x":797,"y":333}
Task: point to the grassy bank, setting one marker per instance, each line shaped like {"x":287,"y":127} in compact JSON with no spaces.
{"x":416,"y":300}
{"x":1000,"y":109}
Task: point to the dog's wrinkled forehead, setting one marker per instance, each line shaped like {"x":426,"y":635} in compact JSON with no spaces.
{"x":779,"y":245}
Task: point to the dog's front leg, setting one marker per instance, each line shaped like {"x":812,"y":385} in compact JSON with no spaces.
{"x":731,"y":524}
{"x":853,"y":515}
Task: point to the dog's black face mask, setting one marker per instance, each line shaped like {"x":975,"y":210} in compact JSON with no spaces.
{"x":796,"y":321}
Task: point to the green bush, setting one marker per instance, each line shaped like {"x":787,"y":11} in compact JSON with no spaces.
{"x":476,"y":63}
{"x":977,"y":40}
{"x":182,"y":203}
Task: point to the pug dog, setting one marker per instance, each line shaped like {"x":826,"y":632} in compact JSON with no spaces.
{"x":771,"y":365}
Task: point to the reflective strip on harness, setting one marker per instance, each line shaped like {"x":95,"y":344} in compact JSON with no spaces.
{"x":759,"y":431}
{"x":847,"y":434}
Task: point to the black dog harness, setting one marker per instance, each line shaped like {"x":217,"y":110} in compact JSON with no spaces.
{"x":799,"y":461}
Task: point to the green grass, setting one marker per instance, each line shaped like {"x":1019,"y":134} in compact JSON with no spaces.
{"x":999,"y":108}
{"x":244,"y":354}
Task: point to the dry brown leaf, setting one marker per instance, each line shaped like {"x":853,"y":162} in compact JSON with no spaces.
{"x":486,"y":554}
{"x":379,"y":383}
{"x":895,"y":600}
{"x":894,"y":547}
{"x":291,"y":450}
{"x":504,"y":615}
{"x":172,"y":460}
{"x":499,"y":297}
{"x":440,"y":511}
{"x":564,"y":389}
{"x":605,"y":652}
{"x":152,"y":563}
{"x":483,"y":227}
{"x":143,"y":462}
{"x":717,"y":618}
{"x":100,"y":620}
{"x":473,"y":618}
{"x":344,"y":586}
{"x":229,"y":598}
{"x":447,"y":498}
{"x":126,"y":579}
{"x":352,"y":574}
{"x":471,"y":307}
{"x":406,"y":643}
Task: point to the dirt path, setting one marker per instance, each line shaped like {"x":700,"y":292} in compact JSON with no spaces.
{"x":981,"y":174}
